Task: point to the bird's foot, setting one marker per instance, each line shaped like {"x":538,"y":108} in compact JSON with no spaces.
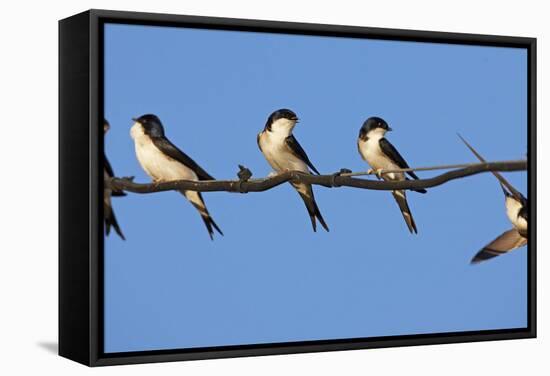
{"x":377,"y":172}
{"x":156,"y":183}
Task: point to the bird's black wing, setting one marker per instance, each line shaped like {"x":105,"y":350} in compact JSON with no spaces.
{"x":108,"y":167}
{"x":299,"y":152}
{"x":393,"y":154}
{"x":110,"y":173}
{"x":171,"y":150}
{"x":506,"y":242}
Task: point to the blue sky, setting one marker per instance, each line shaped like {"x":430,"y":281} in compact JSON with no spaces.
{"x":271,"y":278}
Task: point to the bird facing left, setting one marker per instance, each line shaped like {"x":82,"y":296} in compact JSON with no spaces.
{"x":163,"y":161}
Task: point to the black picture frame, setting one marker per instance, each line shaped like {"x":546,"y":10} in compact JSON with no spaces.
{"x":81,"y":186}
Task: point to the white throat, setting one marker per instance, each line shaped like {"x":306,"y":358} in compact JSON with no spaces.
{"x":136,"y":131}
{"x":282,"y":128}
{"x":376,"y":133}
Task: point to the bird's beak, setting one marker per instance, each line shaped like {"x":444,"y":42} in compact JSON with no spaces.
{"x":135,"y":120}
{"x":297,"y":120}
{"x":390,"y":129}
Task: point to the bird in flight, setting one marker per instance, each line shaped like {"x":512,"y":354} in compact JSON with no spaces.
{"x":163,"y":161}
{"x":516,"y":210}
{"x":108,"y":211}
{"x":284,"y":153}
{"x":381,"y":155}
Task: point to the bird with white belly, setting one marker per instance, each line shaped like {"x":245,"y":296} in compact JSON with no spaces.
{"x":381,"y":155}
{"x":163,"y":161}
{"x":516,"y":210}
{"x":284,"y":153}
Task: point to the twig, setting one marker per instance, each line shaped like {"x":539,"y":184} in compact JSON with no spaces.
{"x":431,"y":168}
{"x":343,"y":179}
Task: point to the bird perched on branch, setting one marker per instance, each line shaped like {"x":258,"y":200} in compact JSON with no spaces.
{"x":516,"y":210}
{"x":284,"y":153}
{"x":381,"y":155}
{"x":108,"y":212}
{"x":163,"y":161}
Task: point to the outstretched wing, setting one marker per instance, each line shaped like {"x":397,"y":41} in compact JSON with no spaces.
{"x":388,"y":149}
{"x":173,"y":152}
{"x":501,"y":179}
{"x":299,"y":152}
{"x":506,"y":242}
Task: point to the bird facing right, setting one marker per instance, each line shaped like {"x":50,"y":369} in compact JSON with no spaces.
{"x":381,"y":155}
{"x":283,"y":152}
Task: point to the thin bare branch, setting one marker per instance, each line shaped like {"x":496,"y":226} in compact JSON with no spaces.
{"x":338,"y":179}
{"x":431,"y":168}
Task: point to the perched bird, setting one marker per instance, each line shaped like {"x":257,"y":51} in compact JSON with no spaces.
{"x":516,"y":210}
{"x":284,"y":153}
{"x":381,"y":155}
{"x":108,"y":212}
{"x":163,"y":161}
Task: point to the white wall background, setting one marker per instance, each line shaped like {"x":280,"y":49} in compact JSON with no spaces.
{"x":28,"y":160}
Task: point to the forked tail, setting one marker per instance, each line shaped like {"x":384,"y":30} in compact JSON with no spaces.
{"x":401,"y":200}
{"x":306,"y":192}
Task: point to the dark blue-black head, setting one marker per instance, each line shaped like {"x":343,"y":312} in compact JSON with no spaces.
{"x":282,"y":116}
{"x":373,"y":125}
{"x":151,"y":125}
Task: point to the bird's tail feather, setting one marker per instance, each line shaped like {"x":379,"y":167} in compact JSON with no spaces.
{"x":116,"y":193}
{"x":306,"y":192}
{"x":210,"y":225}
{"x":420,"y":190}
{"x":110,"y":220}
{"x":196,"y":199}
{"x":401,"y":200}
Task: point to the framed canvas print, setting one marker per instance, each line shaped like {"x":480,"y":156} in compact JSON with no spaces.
{"x":237,"y":187}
